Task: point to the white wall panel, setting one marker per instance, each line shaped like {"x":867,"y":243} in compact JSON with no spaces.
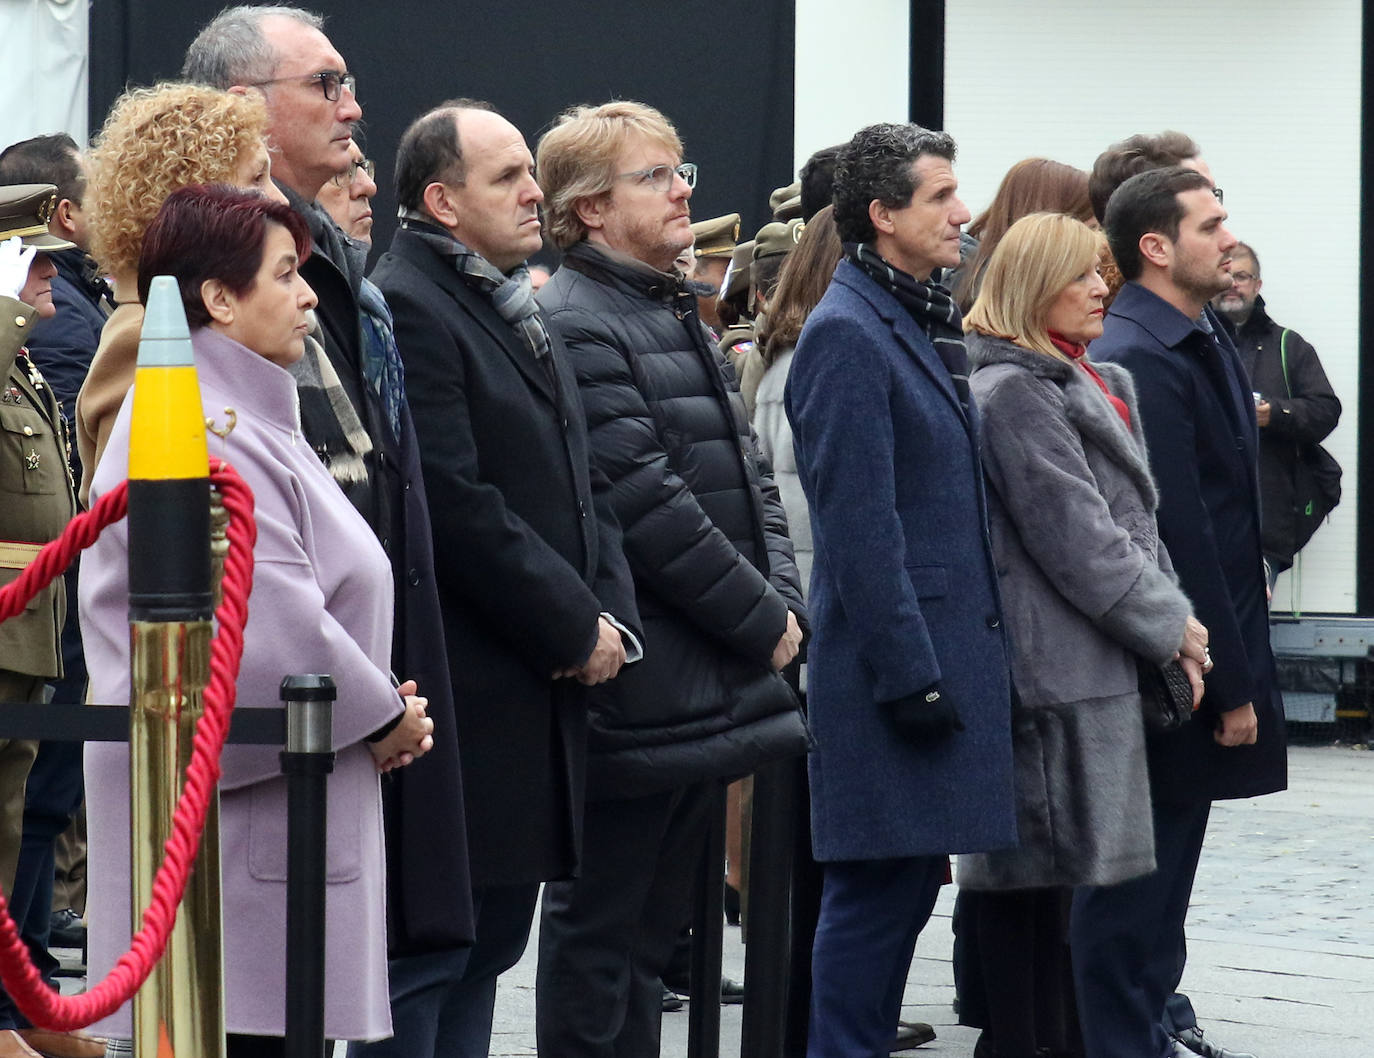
{"x":851,"y":69}
{"x":1270,"y":90}
{"x":43,"y":88}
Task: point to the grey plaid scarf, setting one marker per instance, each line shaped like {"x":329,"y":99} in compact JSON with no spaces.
{"x":929,"y":304}
{"x":511,"y":295}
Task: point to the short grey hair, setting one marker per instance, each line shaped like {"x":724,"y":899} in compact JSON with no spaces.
{"x":232,"y":50}
{"x":877,"y":164}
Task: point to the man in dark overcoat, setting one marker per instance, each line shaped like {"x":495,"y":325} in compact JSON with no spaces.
{"x":1166,"y":230}
{"x":537,"y":596}
{"x":909,"y":688}
{"x":355,"y":416}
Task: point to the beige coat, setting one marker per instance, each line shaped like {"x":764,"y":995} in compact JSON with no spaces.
{"x":109,"y":380}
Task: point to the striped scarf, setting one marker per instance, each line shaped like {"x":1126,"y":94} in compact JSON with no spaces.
{"x":929,"y":304}
{"x":511,"y":295}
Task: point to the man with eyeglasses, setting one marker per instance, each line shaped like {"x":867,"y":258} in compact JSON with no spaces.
{"x":355,"y":416}
{"x":717,"y":587}
{"x":1294,"y":404}
{"x":347,"y":197}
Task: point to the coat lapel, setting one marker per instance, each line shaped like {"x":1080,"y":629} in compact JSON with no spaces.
{"x":904,"y":329}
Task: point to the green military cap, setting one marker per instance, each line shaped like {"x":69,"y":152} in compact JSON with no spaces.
{"x":777,"y":237}
{"x":25,"y":210}
{"x":785,"y":202}
{"x":716,"y":237}
{"x":737,"y":276}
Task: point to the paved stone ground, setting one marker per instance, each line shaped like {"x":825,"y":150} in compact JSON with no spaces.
{"x":1281,"y":931}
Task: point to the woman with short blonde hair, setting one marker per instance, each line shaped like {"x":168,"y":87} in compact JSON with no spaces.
{"x":1048,"y":251}
{"x":1088,"y":596}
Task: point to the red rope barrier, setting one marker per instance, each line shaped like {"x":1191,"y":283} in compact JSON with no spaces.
{"x":25,"y":986}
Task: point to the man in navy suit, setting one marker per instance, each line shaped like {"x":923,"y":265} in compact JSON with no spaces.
{"x":1166,"y":228}
{"x":909,"y":690}
{"x":537,"y":597}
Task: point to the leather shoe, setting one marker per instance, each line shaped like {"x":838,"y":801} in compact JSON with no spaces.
{"x":731,"y":991}
{"x":671,"y":1000}
{"x":912,"y":1034}
{"x":12,"y":1046}
{"x":63,"y":1044}
{"x":66,"y":930}
{"x":1192,"y":1043}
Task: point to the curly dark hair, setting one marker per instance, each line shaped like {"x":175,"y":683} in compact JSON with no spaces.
{"x":877,"y":164}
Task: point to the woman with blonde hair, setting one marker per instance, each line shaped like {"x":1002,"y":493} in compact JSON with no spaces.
{"x":154,"y":141}
{"x":1087,"y":590}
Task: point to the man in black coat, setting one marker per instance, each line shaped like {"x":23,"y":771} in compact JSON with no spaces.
{"x":1166,"y":230}
{"x":1294,"y":403}
{"x":717,"y":586}
{"x":537,"y":597}
{"x":359,"y":424}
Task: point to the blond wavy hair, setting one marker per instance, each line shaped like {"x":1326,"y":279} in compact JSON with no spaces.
{"x":577,"y":158}
{"x":156,"y":140}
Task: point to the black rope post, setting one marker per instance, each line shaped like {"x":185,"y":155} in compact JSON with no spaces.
{"x":767,"y":952}
{"x":708,"y":923}
{"x":307,"y":761}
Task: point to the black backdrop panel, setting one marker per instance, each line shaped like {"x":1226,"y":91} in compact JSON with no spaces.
{"x":720,"y":70}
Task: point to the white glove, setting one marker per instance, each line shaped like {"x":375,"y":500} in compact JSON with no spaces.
{"x":15,"y":259}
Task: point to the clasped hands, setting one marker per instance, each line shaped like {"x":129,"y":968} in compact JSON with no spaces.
{"x":410,"y":739}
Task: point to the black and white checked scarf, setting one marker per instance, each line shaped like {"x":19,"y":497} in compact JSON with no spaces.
{"x":511,"y":295}
{"x":930,"y":306}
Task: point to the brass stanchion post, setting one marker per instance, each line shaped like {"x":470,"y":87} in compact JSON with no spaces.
{"x":179,"y":1010}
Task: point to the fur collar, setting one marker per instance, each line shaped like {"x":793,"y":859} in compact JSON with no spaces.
{"x":1085,"y":406}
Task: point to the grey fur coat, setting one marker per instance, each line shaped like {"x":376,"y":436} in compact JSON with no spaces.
{"x":1086,"y":586}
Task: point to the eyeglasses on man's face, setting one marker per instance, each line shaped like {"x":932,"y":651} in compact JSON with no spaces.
{"x":345,"y":178}
{"x":331,"y":82}
{"x":1243,"y":277}
{"x":660,"y":177}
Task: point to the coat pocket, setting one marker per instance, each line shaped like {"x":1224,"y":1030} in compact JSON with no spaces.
{"x":27,"y":465}
{"x":267,"y":830}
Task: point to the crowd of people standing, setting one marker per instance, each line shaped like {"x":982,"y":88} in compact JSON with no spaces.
{"x":567,"y":573}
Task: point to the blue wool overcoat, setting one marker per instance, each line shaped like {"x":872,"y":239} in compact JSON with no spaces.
{"x":903,"y":588}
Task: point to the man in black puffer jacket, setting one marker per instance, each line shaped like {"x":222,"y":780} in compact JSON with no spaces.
{"x":716,"y":584}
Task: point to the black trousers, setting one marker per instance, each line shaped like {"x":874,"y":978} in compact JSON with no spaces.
{"x":606,"y":936}
{"x":1128,"y":941}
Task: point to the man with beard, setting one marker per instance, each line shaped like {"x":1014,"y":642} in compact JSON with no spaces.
{"x":1294,"y":403}
{"x":1167,"y":232}
{"x":715,"y":580}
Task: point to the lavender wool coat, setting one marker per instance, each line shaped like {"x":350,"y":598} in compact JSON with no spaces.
{"x":321,"y":602}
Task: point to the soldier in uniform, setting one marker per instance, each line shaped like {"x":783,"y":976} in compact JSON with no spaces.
{"x":36,"y":499}
{"x":714,"y":242}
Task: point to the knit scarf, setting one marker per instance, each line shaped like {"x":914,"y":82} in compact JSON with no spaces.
{"x":328,"y":418}
{"x":929,"y":304}
{"x":511,"y":295}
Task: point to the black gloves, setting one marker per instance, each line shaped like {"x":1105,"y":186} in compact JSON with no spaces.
{"x":925,"y":717}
